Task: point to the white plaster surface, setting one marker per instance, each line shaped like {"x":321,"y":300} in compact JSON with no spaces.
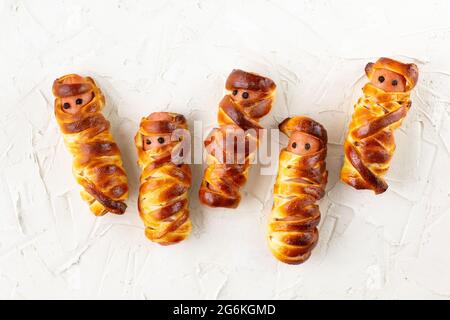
{"x":175,"y":55}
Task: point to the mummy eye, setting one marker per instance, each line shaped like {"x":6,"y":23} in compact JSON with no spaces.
{"x":79,"y":101}
{"x":66,"y":105}
{"x":294,"y":145}
{"x":245,"y":95}
{"x":307,"y":146}
{"x":235,"y":92}
{"x":161,"y":140}
{"x":381,"y":79}
{"x":394,"y":82}
{"x":148,"y":141}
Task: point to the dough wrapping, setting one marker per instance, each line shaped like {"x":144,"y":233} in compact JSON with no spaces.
{"x":97,"y":162}
{"x":370,"y":144}
{"x":250,"y":98}
{"x":301,"y":182}
{"x":165,"y":179}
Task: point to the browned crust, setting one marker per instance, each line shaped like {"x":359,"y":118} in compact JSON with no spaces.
{"x":218,"y":200}
{"x":216,"y":143}
{"x":293,"y":232}
{"x":109,"y":169}
{"x":169,"y":210}
{"x":99,"y":149}
{"x":166,"y":238}
{"x":306,"y":125}
{"x":163,"y":182}
{"x":222,"y":181}
{"x":380,"y":123}
{"x":117,"y":207}
{"x":370,"y":142}
{"x":237,"y":115}
{"x":108,"y":183}
{"x":239,"y":79}
{"x":409,"y":71}
{"x":259,"y":109}
{"x":220,"y":188}
{"x":151,"y":127}
{"x":97,"y":121}
{"x":62,"y":90}
{"x":372,"y":181}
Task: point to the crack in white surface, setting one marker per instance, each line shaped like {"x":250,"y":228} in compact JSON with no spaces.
{"x":75,"y":258}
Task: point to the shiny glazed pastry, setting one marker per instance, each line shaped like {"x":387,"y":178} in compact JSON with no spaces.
{"x":165,"y":180}
{"x":250,"y":97}
{"x":370,"y":144}
{"x":97,"y":164}
{"x":301,"y":182}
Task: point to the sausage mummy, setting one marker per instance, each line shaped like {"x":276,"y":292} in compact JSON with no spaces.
{"x":97,"y":164}
{"x":301,"y":181}
{"x":249,"y":99}
{"x":165,"y":180}
{"x":370,"y":143}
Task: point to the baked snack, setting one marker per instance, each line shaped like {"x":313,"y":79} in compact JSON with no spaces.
{"x":370,"y":143}
{"x":97,"y":164}
{"x":232,"y":147}
{"x":301,"y":181}
{"x":165,"y":180}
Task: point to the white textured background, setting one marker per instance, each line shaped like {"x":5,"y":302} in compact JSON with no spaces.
{"x":176,"y":55}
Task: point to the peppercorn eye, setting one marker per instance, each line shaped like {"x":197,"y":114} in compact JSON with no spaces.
{"x":79,"y":101}
{"x":245,"y":95}
{"x":161,"y":140}
{"x":235,"y":92}
{"x":148,"y":141}
{"x":303,"y":144}
{"x":388,"y":81}
{"x":66,"y":105}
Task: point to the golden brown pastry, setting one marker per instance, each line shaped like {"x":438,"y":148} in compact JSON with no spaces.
{"x":370,"y":144}
{"x":301,"y":181}
{"x":97,"y":164}
{"x":165,"y":180}
{"x":249,"y":99}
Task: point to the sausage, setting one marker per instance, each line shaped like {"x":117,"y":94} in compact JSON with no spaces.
{"x":388,"y":81}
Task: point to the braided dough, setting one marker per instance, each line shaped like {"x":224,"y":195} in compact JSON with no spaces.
{"x":165,"y":180}
{"x":301,"y":181}
{"x":370,"y":144}
{"x":97,"y":165}
{"x":249,"y":99}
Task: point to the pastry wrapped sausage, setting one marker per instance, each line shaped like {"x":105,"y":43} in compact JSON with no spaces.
{"x":370,"y":144}
{"x":165,"y":180}
{"x":97,"y":164}
{"x":250,"y":97}
{"x":301,"y":181}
